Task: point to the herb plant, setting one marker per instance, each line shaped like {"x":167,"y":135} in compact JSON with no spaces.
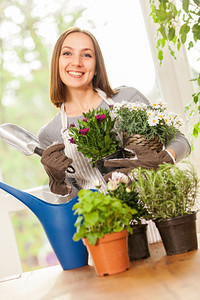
{"x":94,"y":135}
{"x":168,"y":191}
{"x":100,"y":214}
{"x":120,"y":186}
{"x":152,"y":121}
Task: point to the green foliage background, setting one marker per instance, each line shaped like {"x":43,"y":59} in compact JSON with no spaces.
{"x":24,"y":100}
{"x":179,"y":24}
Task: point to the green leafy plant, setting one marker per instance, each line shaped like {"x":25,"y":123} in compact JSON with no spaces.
{"x":179,"y":24}
{"x":121,"y":187}
{"x":168,"y":191}
{"x":94,"y":135}
{"x":152,"y":121}
{"x":100,"y":214}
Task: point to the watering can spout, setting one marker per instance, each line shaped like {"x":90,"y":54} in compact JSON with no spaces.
{"x":58,"y":223}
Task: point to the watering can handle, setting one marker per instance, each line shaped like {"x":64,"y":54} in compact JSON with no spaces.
{"x":40,"y":151}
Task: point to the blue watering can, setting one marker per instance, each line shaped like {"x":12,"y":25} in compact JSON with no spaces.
{"x":58,"y":223}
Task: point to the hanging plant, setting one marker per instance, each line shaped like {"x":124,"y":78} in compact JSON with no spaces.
{"x":179,"y":24}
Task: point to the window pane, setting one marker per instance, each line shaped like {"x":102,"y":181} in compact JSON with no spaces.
{"x":193,"y":56}
{"x":120,"y":30}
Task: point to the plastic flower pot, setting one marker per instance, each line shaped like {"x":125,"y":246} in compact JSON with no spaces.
{"x":138,"y":247}
{"x":178,"y":234}
{"x":99,"y":164}
{"x":110,"y":253}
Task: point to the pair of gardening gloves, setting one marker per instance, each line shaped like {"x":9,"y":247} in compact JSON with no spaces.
{"x":144,"y":158}
{"x":55,"y":164}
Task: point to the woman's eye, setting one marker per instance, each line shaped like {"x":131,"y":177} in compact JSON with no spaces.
{"x":87,"y":55}
{"x":67,"y":53}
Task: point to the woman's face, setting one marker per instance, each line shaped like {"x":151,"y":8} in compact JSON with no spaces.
{"x":77,"y":61}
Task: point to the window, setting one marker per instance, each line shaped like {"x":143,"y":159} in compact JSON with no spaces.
{"x":120,"y":30}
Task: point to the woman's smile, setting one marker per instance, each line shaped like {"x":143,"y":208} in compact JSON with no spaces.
{"x":75,"y":74}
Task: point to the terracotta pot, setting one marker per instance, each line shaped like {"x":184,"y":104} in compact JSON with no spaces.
{"x":110,"y":253}
{"x":138,"y":247}
{"x":178,"y":234}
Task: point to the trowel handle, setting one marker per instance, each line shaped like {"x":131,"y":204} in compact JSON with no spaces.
{"x":40,"y":151}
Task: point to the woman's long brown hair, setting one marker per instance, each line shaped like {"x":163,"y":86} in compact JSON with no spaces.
{"x":100,"y":79}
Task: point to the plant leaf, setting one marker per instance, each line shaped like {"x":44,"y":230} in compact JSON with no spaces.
{"x":185,"y":5}
{"x":92,"y":238}
{"x":92,"y":217}
{"x":162,"y":30}
{"x":171,"y":33}
{"x":196,"y":31}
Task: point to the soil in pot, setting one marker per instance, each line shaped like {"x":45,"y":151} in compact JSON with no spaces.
{"x":178,"y":234}
{"x":99,"y":164}
{"x":138,"y":247}
{"x":110,"y":253}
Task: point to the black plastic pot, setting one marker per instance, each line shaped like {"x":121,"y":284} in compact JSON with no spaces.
{"x":178,"y":234}
{"x":138,"y":247}
{"x":99,"y":164}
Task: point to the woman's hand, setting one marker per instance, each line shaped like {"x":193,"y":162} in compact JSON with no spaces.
{"x":144,"y":158}
{"x":55,"y":164}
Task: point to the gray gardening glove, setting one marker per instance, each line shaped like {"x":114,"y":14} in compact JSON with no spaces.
{"x":145,"y":158}
{"x":55,"y":164}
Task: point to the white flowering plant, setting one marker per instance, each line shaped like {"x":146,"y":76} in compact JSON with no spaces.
{"x":149,"y":120}
{"x":122,"y":186}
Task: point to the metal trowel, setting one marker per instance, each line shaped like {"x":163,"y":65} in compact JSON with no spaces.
{"x":22,"y":140}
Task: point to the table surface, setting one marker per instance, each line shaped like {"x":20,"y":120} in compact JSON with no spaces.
{"x":160,"y":276}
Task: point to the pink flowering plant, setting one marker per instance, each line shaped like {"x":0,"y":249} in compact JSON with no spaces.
{"x":122,"y":186}
{"x":95,"y":136}
{"x":150,"y":120}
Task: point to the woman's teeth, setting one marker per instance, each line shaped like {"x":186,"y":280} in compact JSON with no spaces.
{"x":75,"y":73}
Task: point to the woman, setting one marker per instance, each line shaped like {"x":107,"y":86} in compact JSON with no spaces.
{"x":79,"y":83}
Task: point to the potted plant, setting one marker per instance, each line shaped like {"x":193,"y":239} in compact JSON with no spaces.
{"x":103,"y":225}
{"x":121,"y":186}
{"x":147,"y":125}
{"x":95,"y":138}
{"x":169,"y":194}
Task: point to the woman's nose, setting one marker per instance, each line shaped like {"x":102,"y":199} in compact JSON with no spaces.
{"x":77,"y":60}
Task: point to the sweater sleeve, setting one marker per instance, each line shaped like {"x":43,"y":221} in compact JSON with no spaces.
{"x":44,"y":139}
{"x":50,"y":133}
{"x":180,"y":145}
